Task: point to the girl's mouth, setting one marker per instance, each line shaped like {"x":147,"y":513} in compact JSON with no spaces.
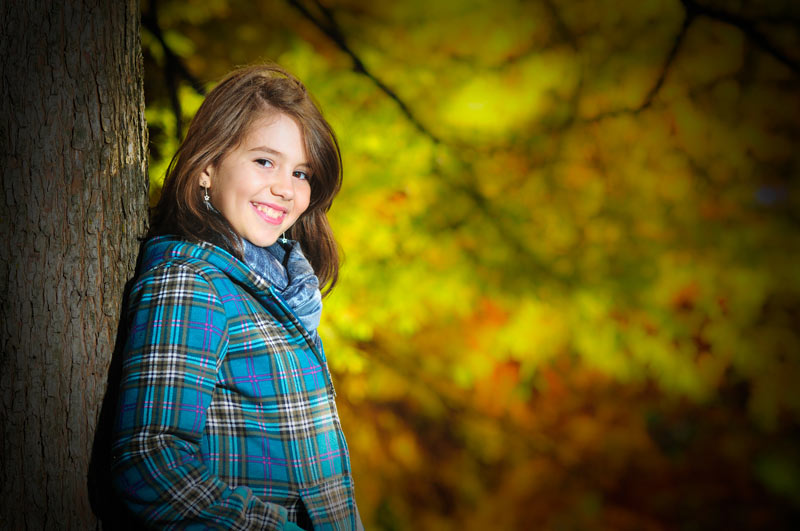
{"x":269,"y":213}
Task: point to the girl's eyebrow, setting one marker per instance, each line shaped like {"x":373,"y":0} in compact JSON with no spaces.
{"x":266,"y":149}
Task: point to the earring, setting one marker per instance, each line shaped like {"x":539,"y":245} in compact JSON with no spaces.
{"x":206,"y":198}
{"x":283,"y":238}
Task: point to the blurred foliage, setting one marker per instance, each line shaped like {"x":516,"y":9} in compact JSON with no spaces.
{"x":570,"y":297}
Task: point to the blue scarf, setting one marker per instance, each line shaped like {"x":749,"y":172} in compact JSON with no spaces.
{"x":286,"y":268}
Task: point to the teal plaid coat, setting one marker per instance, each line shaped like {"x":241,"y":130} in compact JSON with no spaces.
{"x":226,"y":416}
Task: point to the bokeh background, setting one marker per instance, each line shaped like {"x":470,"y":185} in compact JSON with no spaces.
{"x":570,"y":296}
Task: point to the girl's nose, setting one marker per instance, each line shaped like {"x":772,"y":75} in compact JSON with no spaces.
{"x":283,"y":186}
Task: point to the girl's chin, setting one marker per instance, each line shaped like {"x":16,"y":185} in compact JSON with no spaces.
{"x":263,"y":241}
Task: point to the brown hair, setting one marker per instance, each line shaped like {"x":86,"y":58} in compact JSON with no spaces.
{"x":220,"y":124}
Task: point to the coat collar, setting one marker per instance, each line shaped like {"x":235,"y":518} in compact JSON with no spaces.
{"x":162,"y":249}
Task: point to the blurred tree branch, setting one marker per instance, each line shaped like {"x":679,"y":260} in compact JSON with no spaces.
{"x":693,"y":10}
{"x":173,"y":66}
{"x":330,"y":28}
{"x":648,"y":100}
{"x":560,"y":25}
{"x":747,"y":27}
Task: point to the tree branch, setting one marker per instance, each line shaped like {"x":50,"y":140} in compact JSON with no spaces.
{"x":670,"y":59}
{"x":662,"y":76}
{"x":173,"y":66}
{"x":747,"y":27}
{"x":694,"y":10}
{"x":560,"y":25}
{"x":330,"y":28}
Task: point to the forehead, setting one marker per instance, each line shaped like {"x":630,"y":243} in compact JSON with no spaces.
{"x":273,"y":125}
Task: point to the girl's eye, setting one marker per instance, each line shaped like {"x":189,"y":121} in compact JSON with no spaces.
{"x":301,"y":175}
{"x":264,"y":162}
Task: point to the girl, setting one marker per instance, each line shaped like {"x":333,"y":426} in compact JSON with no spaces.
{"x":226,"y":417}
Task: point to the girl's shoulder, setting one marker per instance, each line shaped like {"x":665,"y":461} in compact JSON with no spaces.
{"x":169,"y":259}
{"x":171,"y":249}
{"x":172,"y":257}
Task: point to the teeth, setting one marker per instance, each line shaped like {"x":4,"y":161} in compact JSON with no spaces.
{"x":269,"y":211}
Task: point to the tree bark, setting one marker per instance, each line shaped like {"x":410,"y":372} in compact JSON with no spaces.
{"x":74,"y":189}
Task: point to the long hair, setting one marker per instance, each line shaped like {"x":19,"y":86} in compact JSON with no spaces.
{"x":221,"y":123}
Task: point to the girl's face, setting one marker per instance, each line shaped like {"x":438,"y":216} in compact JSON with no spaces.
{"x":261,"y":187}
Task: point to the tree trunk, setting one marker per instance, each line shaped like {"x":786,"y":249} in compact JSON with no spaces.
{"x":74,"y":184}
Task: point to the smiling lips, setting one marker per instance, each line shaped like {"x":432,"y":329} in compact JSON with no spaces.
{"x":270,"y":213}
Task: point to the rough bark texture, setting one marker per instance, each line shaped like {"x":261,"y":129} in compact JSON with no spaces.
{"x":74,"y":187}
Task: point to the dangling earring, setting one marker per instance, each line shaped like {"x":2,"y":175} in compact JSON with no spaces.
{"x":206,"y":198}
{"x":283,"y":238}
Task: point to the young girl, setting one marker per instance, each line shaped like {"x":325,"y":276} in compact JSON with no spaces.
{"x":226,"y":417}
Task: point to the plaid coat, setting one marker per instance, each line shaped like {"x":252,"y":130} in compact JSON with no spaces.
{"x":226,"y":416}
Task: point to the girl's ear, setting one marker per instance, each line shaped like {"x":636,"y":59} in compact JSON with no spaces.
{"x":205,"y":177}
